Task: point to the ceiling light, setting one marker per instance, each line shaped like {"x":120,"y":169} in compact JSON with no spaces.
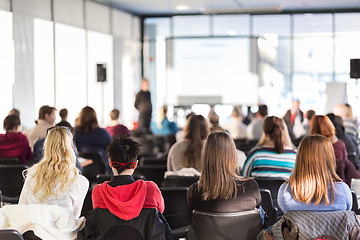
{"x":182,"y":7}
{"x":275,"y":9}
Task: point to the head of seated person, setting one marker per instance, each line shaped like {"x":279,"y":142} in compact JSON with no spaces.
{"x":227,"y":192}
{"x":11,"y":123}
{"x":87,"y":120}
{"x":314,"y":184}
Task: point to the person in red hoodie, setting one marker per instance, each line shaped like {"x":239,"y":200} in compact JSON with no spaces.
{"x":14,"y":144}
{"x":125,"y":198}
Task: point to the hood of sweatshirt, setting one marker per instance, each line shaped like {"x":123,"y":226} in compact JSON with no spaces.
{"x":124,"y":201}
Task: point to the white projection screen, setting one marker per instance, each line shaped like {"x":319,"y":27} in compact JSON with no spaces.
{"x":210,"y":70}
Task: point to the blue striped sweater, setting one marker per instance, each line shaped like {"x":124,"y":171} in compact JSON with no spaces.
{"x":265,"y":162}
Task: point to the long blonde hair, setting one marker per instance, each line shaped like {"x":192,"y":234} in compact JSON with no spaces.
{"x":314,"y":171}
{"x":220,"y":168}
{"x":57,"y":165}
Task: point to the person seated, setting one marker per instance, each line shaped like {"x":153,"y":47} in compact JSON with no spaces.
{"x":314,"y":184}
{"x":236,"y":127}
{"x":89,"y":137}
{"x":114,"y":127}
{"x":16,"y":112}
{"x":214,"y":122}
{"x":187,"y":153}
{"x":122,"y":197}
{"x":47,"y":117}
{"x":254,"y":129}
{"x":322,"y":125}
{"x":275,"y":155}
{"x":227,"y":192}
{"x":13,"y":144}
{"x":63,"y":113}
{"x":164,"y":126}
{"x":55,"y":180}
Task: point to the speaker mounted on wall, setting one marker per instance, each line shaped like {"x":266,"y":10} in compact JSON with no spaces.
{"x":101,"y":72}
{"x":355,"y":68}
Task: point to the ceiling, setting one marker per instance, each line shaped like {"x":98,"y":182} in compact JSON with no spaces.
{"x":169,"y":7}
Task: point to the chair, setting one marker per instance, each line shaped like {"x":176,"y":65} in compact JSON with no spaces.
{"x":100,"y":178}
{"x":9,"y":161}
{"x":11,"y":182}
{"x":355,"y":206}
{"x":177,"y":212}
{"x":153,"y":161}
{"x":97,"y":167}
{"x":152,"y":172}
{"x":267,"y":205}
{"x":180,"y":181}
{"x":273,"y":184}
{"x":10,"y":234}
{"x":230,"y":226}
{"x":122,"y":232}
{"x":245,"y":145}
{"x":147,"y":145}
{"x":87,"y":206}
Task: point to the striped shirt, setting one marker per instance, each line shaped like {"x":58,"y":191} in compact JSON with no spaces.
{"x":265,"y":162}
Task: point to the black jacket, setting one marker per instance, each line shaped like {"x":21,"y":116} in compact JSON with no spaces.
{"x":149,"y":225}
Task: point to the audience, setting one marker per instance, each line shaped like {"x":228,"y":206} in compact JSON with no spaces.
{"x":214,"y":122}
{"x":314,"y":184}
{"x":322,"y":125}
{"x":254,"y":129}
{"x":63,"y":113}
{"x":13,"y":144}
{"x":220,"y":188}
{"x":89,"y":137}
{"x":55,"y":180}
{"x":236,"y":128}
{"x":16,"y":112}
{"x":123,"y":197}
{"x":163,"y":126}
{"x":187,"y":153}
{"x":47,"y":117}
{"x":275,"y":155}
{"x":114,"y":127}
{"x":351,"y":126}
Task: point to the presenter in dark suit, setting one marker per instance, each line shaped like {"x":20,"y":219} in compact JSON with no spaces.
{"x":143,"y":104}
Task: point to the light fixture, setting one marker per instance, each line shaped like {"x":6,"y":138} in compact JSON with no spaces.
{"x":209,"y":11}
{"x":182,"y":7}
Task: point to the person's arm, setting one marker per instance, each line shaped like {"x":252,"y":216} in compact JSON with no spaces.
{"x":28,"y":152}
{"x":24,"y":195}
{"x":348,"y":196}
{"x":82,"y":186}
{"x":137,"y":101}
{"x":248,"y":165}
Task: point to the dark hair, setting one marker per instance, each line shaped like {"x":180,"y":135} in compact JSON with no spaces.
{"x":196,"y":131}
{"x":273,"y":128}
{"x":88,"y":120}
{"x":263,"y":110}
{"x":114,"y":114}
{"x":14,"y":111}
{"x":310,"y":114}
{"x":63,"y":113}
{"x":10,"y":122}
{"x":122,"y":149}
{"x":45,"y":110}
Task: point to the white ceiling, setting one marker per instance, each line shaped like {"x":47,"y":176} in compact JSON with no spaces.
{"x":158,"y":7}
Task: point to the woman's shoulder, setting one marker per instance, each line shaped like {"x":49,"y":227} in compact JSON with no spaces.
{"x":82,"y":181}
{"x":179,"y":146}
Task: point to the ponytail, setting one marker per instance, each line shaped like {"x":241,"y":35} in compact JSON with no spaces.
{"x":273,"y":128}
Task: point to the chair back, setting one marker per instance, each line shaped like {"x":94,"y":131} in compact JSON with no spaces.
{"x":177,"y":211}
{"x":11,"y":182}
{"x":230,"y":226}
{"x":10,"y":234}
{"x":355,"y":206}
{"x":124,"y":232}
{"x":180,"y":181}
{"x":97,"y":167}
{"x":245,"y":145}
{"x":87,"y":206}
{"x":145,"y":161}
{"x":267,"y":205}
{"x":152,"y":172}
{"x":147,"y":145}
{"x":273,"y":184}
{"x":9,"y":161}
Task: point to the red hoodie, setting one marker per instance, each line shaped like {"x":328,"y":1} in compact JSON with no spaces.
{"x":15,"y":144}
{"x":126,"y":201}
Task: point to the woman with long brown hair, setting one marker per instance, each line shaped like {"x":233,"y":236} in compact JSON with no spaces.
{"x":274,"y":156}
{"x":89,"y":137}
{"x":314,"y":184}
{"x":322,"y":125}
{"x":220,"y":188}
{"x":187,"y":153}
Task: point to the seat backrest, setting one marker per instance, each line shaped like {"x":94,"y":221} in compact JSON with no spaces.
{"x":97,"y":167}
{"x":273,"y":184}
{"x":9,"y":161}
{"x":355,"y":206}
{"x":87,"y":206}
{"x":11,"y":181}
{"x":152,"y":172}
{"x":230,"y":226}
{"x":122,"y":232}
{"x":267,"y":205}
{"x":10,"y":234}
{"x":145,"y":161}
{"x":180,"y":181}
{"x":177,"y":211}
{"x":147,"y":145}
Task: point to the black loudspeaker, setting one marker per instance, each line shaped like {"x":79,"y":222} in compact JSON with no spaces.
{"x":354,"y":68}
{"x":101,"y":72}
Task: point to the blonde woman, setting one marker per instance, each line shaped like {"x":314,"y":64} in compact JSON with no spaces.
{"x":55,"y":180}
{"x":220,"y":188}
{"x":314,"y":184}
